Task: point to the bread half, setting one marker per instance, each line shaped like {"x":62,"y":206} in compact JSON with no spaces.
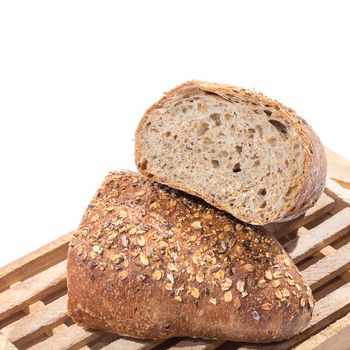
{"x":236,"y":149}
{"x":151,"y":262}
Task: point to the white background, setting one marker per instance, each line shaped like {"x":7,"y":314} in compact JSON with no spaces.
{"x":76,"y":76}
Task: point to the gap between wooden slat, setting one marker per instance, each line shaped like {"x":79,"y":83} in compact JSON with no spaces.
{"x":32,"y":289}
{"x":35,"y":262}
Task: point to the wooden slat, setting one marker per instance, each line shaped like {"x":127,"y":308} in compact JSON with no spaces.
{"x":5,"y":344}
{"x":325,"y":311}
{"x":38,"y":322}
{"x":329,"y":267}
{"x":336,"y":336}
{"x":338,"y":167}
{"x":320,"y":236}
{"x":194,"y":344}
{"x":32,"y":289}
{"x":132,"y":344}
{"x":73,"y":337}
{"x":34,"y":262}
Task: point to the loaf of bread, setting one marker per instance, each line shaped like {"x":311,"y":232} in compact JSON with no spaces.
{"x":151,"y":262}
{"x":236,"y":149}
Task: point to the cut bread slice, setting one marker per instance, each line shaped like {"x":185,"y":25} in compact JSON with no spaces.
{"x":236,"y":149}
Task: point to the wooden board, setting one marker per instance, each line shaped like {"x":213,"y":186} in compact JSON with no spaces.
{"x":33,"y":289}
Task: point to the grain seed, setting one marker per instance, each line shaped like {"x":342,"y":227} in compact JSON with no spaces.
{"x":266,"y":306}
{"x":200,"y":277}
{"x":255,"y":315}
{"x":196,"y":225}
{"x":278,"y":294}
{"x":240,"y":285}
{"x":262,"y":283}
{"x":228,"y":297}
{"x":123,"y":274}
{"x":249,"y":267}
{"x":157,"y":275}
{"x":141,"y":241}
{"x":169,"y":286}
{"x":195,"y":292}
{"x":213,"y":301}
{"x":268,"y":275}
{"x":144,"y":259}
{"x":276,"y":283}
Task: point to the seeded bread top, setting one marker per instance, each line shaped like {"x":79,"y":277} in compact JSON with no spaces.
{"x":152,"y":262}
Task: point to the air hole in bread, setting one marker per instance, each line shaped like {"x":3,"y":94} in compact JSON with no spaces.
{"x":262,"y":192}
{"x":267,"y":112}
{"x":143,"y":164}
{"x":168,"y":133}
{"x":228,"y":117}
{"x":237,"y":168}
{"x":260,"y":130}
{"x":239,"y":149}
{"x":290,"y":189}
{"x":272,"y":141}
{"x":256,"y":163}
{"x":202,"y":128}
{"x":216,"y":118}
{"x":215,"y":163}
{"x":279,"y":126}
{"x":286,"y":162}
{"x":263,"y":204}
{"x":207,"y":141}
{"x":175,"y":137}
{"x":251,"y":131}
{"x":211,"y":93}
{"x":223,"y":154}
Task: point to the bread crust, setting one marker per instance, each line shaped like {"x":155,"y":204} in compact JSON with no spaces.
{"x":315,"y":164}
{"x":151,"y":262}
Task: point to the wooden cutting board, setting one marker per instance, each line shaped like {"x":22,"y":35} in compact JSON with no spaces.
{"x":33,"y":289}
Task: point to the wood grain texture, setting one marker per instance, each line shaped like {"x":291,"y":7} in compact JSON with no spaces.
{"x":5,"y":344}
{"x":132,"y":344}
{"x":328,"y":267}
{"x":338,"y":168}
{"x":335,"y":336}
{"x":318,"y":237}
{"x":74,"y":337}
{"x":193,"y":344}
{"x":34,"y":262}
{"x":32,"y":289}
{"x":38,"y":322}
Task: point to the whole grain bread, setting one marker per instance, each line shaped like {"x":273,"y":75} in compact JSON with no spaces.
{"x":151,"y":262}
{"x":236,"y":149}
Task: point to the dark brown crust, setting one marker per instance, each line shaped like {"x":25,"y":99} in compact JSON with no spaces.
{"x":206,"y":251}
{"x":315,"y":164}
